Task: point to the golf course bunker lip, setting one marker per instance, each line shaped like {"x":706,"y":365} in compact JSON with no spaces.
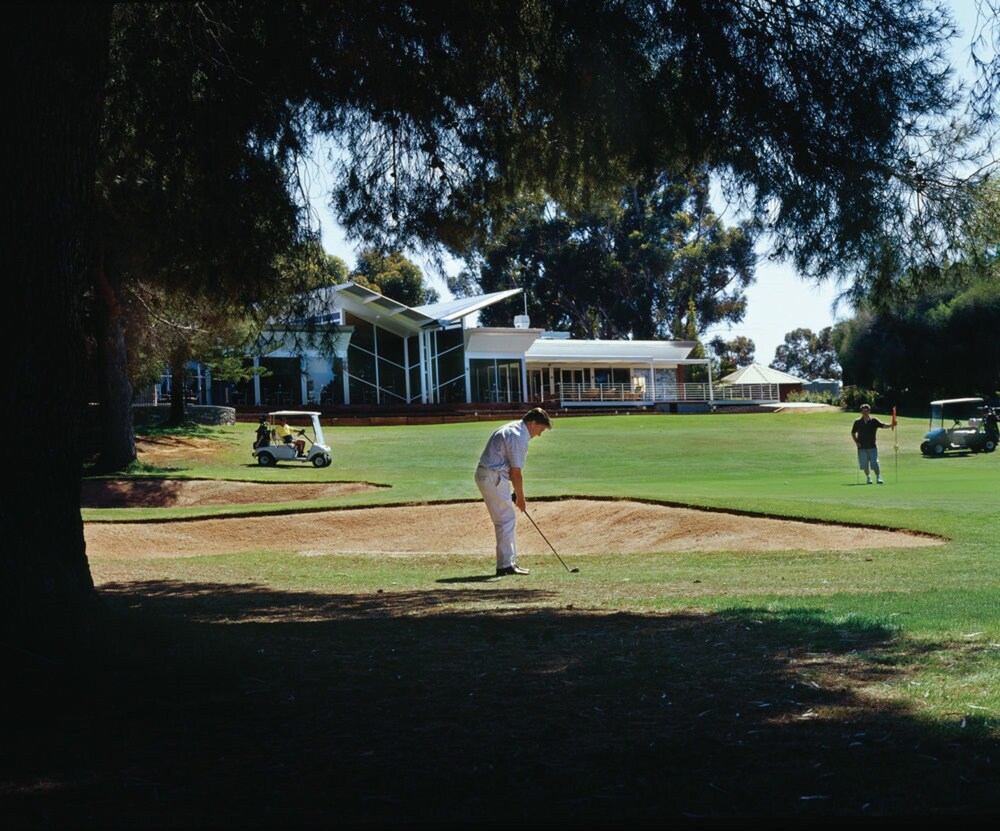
{"x":178,"y":493}
{"x":574,"y":526}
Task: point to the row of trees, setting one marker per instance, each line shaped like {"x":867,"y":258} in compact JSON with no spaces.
{"x":933,"y":336}
{"x":939,"y":340}
{"x":157,"y":145}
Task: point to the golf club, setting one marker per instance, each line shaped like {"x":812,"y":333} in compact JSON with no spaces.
{"x":539,"y":530}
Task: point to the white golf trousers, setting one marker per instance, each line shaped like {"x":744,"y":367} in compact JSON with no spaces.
{"x":496,"y":493}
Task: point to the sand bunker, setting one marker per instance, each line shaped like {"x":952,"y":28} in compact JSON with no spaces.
{"x":164,"y":493}
{"x":576,"y":526}
{"x":162,"y":450}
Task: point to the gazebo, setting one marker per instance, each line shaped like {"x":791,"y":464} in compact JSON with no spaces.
{"x":761,"y":383}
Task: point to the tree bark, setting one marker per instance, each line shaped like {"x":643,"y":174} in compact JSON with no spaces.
{"x":117,"y":436}
{"x":56,"y":58}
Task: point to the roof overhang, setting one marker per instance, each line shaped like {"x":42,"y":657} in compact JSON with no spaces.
{"x":499,"y":341}
{"x":381,"y":310}
{"x":397,"y":317}
{"x":612,"y":352}
{"x":451,"y":311}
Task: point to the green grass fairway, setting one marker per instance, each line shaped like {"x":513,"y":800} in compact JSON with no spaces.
{"x":272,"y":687}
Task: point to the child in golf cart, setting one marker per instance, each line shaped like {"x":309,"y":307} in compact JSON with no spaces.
{"x":285,"y":433}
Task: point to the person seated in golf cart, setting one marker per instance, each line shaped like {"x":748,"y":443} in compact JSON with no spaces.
{"x":285,"y":433}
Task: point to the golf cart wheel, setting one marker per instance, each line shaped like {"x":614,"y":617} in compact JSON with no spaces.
{"x":925,"y":448}
{"x":939,"y":449}
{"x":265,"y":459}
{"x":989,"y":446}
{"x":318,"y":460}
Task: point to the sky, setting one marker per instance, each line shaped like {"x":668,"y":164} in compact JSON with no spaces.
{"x":777,"y":303}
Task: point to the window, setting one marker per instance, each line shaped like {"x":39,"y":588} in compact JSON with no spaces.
{"x":450,"y":365}
{"x":495,"y":380}
{"x":281,"y":386}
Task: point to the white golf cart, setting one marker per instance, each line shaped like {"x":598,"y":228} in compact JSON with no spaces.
{"x":961,"y":424}
{"x":270,"y":449}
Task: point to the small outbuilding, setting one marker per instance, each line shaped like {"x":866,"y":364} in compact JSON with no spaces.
{"x":757,"y":382}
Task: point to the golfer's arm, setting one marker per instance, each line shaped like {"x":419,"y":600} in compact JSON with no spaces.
{"x":517,"y":483}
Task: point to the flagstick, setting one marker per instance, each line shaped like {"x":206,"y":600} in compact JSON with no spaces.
{"x":895,"y":443}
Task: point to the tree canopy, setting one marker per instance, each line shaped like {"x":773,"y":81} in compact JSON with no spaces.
{"x":631,"y":267}
{"x":943,"y":346}
{"x":732,"y":354}
{"x":821,"y":115}
{"x":394,"y":276}
{"x":941,"y":343}
{"x":807,"y":354}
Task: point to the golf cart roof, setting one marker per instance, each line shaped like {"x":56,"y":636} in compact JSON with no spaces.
{"x":293,"y":413}
{"x":957,"y":401}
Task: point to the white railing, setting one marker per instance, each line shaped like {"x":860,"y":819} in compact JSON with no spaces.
{"x":690,"y":391}
{"x":747,"y":392}
{"x":626,"y":393}
{"x":601,"y":393}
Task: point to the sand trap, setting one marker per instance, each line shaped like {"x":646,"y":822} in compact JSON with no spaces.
{"x":162,"y":450}
{"x":575,"y":526}
{"x":163,"y":493}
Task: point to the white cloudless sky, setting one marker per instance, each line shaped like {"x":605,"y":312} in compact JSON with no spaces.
{"x":778,"y":302}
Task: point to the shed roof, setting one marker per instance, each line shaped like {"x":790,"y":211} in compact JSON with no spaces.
{"x":760,"y":374}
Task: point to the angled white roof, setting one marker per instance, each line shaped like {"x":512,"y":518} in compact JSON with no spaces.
{"x":760,"y":374}
{"x":448,"y":311}
{"x":611,"y":351}
{"x":377,"y":307}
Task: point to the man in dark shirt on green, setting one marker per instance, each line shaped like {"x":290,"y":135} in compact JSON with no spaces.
{"x":863,"y":432}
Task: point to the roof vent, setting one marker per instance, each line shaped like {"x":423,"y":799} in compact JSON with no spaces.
{"x":522,"y":322}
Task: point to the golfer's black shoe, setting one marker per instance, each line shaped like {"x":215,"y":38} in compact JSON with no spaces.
{"x":512,"y":570}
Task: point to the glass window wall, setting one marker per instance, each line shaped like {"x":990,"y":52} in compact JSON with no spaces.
{"x":496,"y":380}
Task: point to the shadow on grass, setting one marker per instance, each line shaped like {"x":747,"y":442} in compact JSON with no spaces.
{"x":221,"y":704}
{"x":151,"y":430}
{"x":128,"y":493}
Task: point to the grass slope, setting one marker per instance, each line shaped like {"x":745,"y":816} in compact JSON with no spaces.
{"x":273,"y":687}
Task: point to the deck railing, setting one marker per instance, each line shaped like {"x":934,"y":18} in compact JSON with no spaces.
{"x":690,"y":391}
{"x":601,"y":392}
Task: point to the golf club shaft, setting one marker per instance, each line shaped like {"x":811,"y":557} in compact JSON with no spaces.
{"x":539,"y":530}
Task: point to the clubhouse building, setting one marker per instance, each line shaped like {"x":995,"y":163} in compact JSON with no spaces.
{"x":378,"y":352}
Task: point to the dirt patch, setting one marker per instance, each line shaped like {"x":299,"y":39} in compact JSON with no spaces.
{"x":164,"y":450}
{"x":164,"y":493}
{"x":575,"y":526}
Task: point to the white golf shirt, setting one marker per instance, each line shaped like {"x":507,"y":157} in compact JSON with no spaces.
{"x":507,"y":448}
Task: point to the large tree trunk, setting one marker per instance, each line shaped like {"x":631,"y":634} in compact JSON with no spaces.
{"x":117,"y":436}
{"x":56,"y":58}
